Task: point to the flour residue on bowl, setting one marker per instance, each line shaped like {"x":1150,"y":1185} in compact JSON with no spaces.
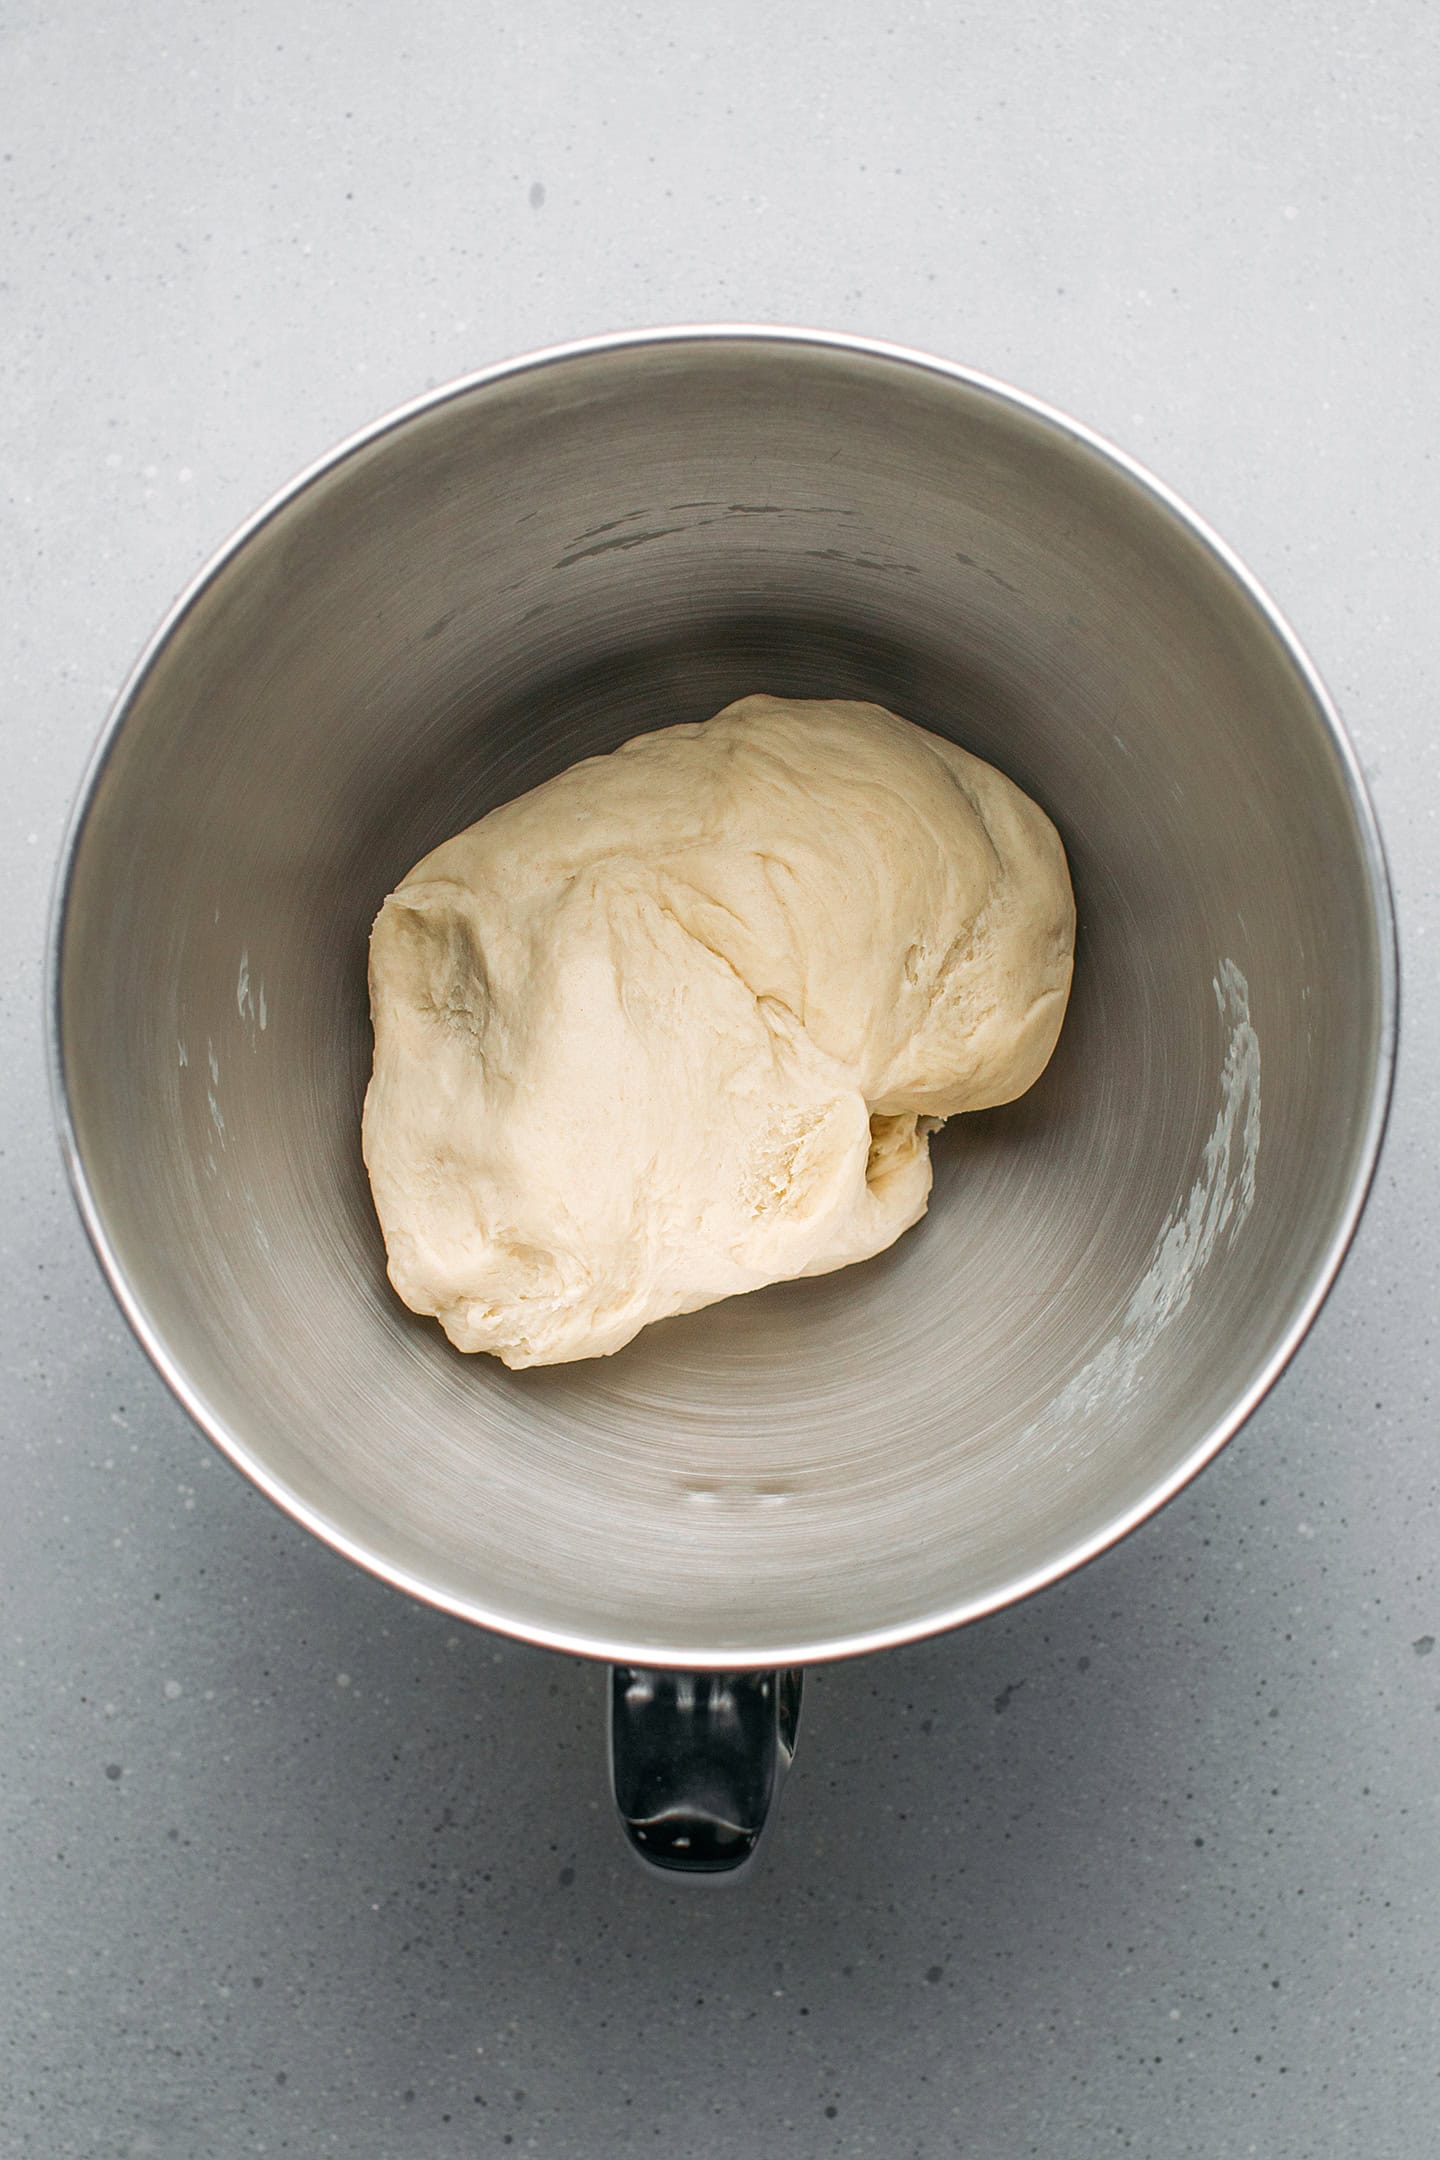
{"x":1216,"y":1206}
{"x":250,"y":999}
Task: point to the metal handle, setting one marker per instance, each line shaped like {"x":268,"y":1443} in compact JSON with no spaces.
{"x":697,"y":1761}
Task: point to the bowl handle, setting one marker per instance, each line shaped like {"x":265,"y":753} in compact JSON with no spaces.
{"x":697,"y":1761}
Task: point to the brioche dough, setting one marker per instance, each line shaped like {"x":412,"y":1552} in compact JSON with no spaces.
{"x":681,"y":1021}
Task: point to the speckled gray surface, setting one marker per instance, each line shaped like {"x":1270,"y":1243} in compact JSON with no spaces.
{"x":1149,"y":1865}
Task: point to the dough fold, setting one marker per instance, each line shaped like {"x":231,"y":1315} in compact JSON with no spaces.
{"x":680,"y":1022}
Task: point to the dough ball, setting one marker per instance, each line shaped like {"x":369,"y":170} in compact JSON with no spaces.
{"x":680,"y":1022}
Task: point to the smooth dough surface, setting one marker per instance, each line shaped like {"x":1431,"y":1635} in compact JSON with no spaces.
{"x":680,"y":1022}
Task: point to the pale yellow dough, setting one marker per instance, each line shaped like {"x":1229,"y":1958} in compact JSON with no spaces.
{"x":680,"y":1022}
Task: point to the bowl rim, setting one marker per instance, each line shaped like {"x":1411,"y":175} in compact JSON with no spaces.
{"x":826,"y":1648}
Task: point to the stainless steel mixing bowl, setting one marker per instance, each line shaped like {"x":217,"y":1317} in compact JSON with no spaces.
{"x":529,"y":566}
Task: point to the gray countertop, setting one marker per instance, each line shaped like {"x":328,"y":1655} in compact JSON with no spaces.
{"x":291,"y":1865}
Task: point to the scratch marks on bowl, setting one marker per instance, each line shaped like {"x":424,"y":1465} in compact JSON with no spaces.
{"x":589,"y":542}
{"x":621,"y":541}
